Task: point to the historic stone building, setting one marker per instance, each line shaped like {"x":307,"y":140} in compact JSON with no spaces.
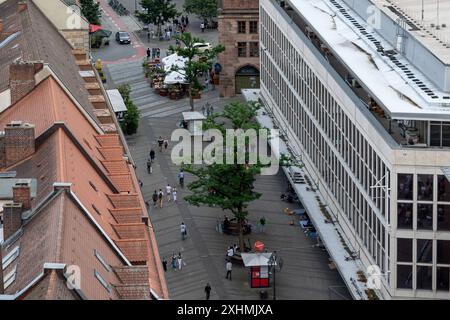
{"x":239,"y":33}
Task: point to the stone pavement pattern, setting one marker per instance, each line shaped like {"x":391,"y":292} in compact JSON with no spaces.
{"x":305,"y":273}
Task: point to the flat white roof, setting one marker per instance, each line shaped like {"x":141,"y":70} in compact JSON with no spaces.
{"x":399,"y":94}
{"x":435,"y":13}
{"x":116,"y":100}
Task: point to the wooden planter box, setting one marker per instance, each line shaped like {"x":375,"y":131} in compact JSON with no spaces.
{"x":163,"y":93}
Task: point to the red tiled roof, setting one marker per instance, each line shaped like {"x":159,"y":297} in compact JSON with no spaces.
{"x":129,"y":215}
{"x":135,"y":250}
{"x":130,"y":231}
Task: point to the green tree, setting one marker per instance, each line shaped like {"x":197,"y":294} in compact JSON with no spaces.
{"x":198,"y":62}
{"x":91,"y":11}
{"x":157,"y":12}
{"x":228,"y":186}
{"x":204,"y":9}
{"x":130,"y":121}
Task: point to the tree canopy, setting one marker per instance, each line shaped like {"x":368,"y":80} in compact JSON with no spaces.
{"x":228,"y":186}
{"x":130,"y":122}
{"x":157,"y":12}
{"x":91,"y":11}
{"x":204,"y":9}
{"x":198,"y":62}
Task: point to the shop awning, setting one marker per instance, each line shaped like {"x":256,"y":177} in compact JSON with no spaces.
{"x":116,"y":100}
{"x":256,"y":259}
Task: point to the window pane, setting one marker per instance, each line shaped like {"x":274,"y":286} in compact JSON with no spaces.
{"x":404,"y":250}
{"x":253,"y":27}
{"x":443,"y":189}
{"x":425,"y":216}
{"x":242,"y":49}
{"x":443,"y":216}
{"x":404,"y":213}
{"x":445,"y":134}
{"x":424,"y":277}
{"x":443,"y":251}
{"x":424,"y":250}
{"x":442,"y":278}
{"x":404,"y":277}
{"x":425,"y":187}
{"x":435,"y":135}
{"x":405,"y":187}
{"x":241,"y":26}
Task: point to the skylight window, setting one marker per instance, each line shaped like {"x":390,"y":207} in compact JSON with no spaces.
{"x":102,"y":261}
{"x":9,"y":278}
{"x":102,"y":281}
{"x":10,"y":257}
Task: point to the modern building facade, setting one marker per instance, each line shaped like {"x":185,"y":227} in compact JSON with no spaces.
{"x":238,"y":32}
{"x":361,"y":92}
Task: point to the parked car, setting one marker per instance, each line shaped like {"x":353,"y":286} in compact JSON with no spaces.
{"x":123,"y":37}
{"x":202,"y":47}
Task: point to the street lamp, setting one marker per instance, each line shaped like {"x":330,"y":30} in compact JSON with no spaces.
{"x":272,"y":263}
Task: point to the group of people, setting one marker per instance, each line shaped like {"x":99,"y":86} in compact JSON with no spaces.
{"x":176,"y":263}
{"x":163,"y":144}
{"x":207,"y":109}
{"x":158,"y":196}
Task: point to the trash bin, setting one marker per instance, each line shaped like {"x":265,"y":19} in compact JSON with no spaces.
{"x":263,"y":295}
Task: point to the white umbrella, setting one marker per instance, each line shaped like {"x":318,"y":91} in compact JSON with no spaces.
{"x":175,"y":77}
{"x":174,"y":60}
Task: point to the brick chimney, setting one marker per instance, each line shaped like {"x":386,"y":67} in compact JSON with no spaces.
{"x":22,"y":194}
{"x":17,"y":143}
{"x":22,"y":6}
{"x":12,"y":219}
{"x":21,"y":78}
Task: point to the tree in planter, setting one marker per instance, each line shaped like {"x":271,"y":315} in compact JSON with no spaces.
{"x":130,"y":121}
{"x":204,"y":9}
{"x":228,"y":186}
{"x":157,"y":12}
{"x":198,"y":62}
{"x":91,"y":11}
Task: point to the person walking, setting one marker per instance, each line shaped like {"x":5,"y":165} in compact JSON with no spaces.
{"x":166,"y":144}
{"x":262,"y":224}
{"x":164,"y":263}
{"x":183,"y":230}
{"x":181,"y":178}
{"x":208,"y":291}
{"x":180,"y":261}
{"x":204,"y":110}
{"x":174,"y":261}
{"x":160,"y":143}
{"x":230,"y":252}
{"x":174,"y":194}
{"x":168,"y":192}
{"x":210,"y":109}
{"x":202,"y":26}
{"x":155,"y":199}
{"x":160,"y":198}
{"x":149,"y":166}
{"x":229,"y":267}
{"x":148,"y":53}
{"x":152,"y":155}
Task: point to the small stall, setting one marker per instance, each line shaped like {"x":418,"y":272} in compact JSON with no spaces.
{"x":259,"y":268}
{"x":194,"y":122}
{"x":117,"y":103}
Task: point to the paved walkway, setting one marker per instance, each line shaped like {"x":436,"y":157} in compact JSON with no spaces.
{"x":305,"y":273}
